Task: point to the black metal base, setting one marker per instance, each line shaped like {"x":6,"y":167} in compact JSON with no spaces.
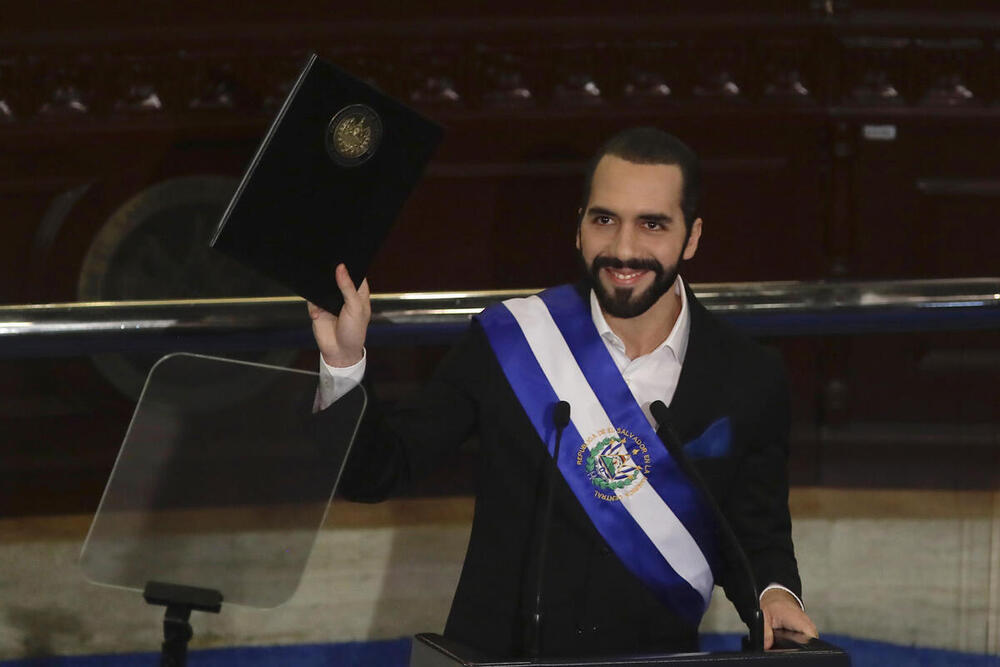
{"x":179,"y":601}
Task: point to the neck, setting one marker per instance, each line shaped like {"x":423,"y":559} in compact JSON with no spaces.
{"x":644,"y":333}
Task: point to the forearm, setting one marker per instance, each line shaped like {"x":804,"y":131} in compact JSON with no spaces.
{"x":395,"y":444}
{"x":758,"y":502}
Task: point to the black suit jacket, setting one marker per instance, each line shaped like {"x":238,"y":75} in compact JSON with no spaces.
{"x":593,"y":604}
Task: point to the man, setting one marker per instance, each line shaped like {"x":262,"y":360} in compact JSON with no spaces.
{"x":633,"y":552}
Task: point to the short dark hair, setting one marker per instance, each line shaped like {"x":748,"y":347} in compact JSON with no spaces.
{"x":651,"y":145}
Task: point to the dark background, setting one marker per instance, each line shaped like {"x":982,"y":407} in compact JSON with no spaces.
{"x":840,"y":140}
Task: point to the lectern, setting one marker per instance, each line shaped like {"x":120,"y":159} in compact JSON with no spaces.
{"x":431,"y":650}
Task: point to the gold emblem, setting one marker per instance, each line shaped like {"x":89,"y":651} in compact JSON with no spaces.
{"x":353,"y":135}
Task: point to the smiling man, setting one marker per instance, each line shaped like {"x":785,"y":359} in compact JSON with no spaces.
{"x":632,"y":238}
{"x":634,"y":552}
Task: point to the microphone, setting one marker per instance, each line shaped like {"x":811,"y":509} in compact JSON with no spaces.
{"x":560,"y":417}
{"x":533,"y":641}
{"x":661,"y":413}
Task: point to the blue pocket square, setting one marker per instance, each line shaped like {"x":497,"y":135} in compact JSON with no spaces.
{"x":715,"y":442}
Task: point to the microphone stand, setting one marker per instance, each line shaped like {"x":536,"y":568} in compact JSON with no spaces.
{"x":755,"y":640}
{"x":533,"y":641}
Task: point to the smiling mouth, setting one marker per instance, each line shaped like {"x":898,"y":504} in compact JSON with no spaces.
{"x":625,"y":277}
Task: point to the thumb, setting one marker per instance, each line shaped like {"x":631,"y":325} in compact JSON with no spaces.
{"x":315,"y":312}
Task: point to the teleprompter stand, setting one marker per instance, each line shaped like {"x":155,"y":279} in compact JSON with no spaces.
{"x":431,"y":650}
{"x":218,"y":493}
{"x":180,"y":601}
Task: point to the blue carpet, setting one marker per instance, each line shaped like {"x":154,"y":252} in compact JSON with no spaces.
{"x":396,"y":653}
{"x":349,"y":654}
{"x":867,"y":653}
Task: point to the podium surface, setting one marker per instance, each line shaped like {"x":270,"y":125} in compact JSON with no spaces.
{"x":432,"y":650}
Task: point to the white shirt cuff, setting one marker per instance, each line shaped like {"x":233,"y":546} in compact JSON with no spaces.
{"x":780,"y":587}
{"x":334,"y":382}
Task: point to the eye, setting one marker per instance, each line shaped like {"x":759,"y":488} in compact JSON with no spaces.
{"x":603,"y":219}
{"x":653,"y":225}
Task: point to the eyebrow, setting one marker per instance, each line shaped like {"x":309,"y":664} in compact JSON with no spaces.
{"x":661,"y":218}
{"x":597,"y":210}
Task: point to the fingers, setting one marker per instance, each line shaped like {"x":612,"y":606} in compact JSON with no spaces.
{"x":357,"y":300}
{"x":365,"y":299}
{"x":793,"y":620}
{"x":315,"y":312}
{"x":801,"y":623}
{"x":344,"y":283}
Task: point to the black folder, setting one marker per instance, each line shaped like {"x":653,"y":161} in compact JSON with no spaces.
{"x":326,"y":183}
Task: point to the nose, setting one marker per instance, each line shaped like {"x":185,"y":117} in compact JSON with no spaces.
{"x":625,"y":245}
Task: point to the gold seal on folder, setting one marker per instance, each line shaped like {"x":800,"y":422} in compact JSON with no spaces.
{"x":353,"y":135}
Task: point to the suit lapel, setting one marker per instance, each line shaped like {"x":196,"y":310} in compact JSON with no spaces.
{"x":697,"y":399}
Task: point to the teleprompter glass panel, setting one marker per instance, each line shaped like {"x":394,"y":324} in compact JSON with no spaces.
{"x":221,"y":490}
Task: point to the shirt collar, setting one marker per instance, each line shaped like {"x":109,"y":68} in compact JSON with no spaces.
{"x":677,"y":340}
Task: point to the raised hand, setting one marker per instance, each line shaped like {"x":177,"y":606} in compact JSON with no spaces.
{"x":341,"y":339}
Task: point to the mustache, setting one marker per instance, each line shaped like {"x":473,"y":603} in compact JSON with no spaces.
{"x":648,"y":264}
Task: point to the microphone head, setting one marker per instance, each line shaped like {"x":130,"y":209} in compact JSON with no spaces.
{"x":560,"y":415}
{"x":660,"y":412}
{"x":664,"y":427}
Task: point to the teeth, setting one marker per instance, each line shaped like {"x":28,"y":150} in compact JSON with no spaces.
{"x":624,"y":276}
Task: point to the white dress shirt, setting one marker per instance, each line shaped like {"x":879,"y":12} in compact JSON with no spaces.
{"x":651,"y":377}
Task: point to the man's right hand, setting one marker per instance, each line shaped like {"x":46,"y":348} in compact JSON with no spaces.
{"x":341,"y":339}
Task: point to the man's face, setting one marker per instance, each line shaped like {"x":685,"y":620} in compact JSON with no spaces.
{"x":632,"y":235}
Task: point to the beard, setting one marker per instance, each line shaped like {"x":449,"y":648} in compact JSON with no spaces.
{"x":622,"y":302}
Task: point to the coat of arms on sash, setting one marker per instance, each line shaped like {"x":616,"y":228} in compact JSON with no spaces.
{"x":616,"y":463}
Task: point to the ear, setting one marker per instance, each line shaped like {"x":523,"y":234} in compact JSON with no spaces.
{"x":692,"y":243}
{"x":579,"y":226}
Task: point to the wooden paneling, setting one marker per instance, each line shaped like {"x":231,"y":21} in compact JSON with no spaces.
{"x":839,"y":140}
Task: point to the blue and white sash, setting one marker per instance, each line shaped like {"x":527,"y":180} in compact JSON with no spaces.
{"x":637,"y":497}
